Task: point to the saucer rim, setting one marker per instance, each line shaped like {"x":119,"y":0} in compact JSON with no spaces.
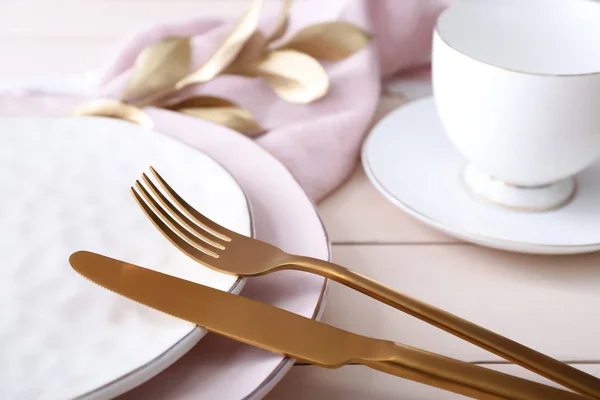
{"x":463,"y":234}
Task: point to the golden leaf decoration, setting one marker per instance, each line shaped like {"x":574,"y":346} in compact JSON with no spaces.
{"x":251,"y":54}
{"x":113,"y":109}
{"x":158,"y":68}
{"x":282,"y":22}
{"x":296,"y":77}
{"x":331,"y":41}
{"x":161,"y":71}
{"x":228,"y":51}
{"x":220,"y":111}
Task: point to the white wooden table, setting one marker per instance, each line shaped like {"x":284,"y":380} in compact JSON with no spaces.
{"x":549,"y":303}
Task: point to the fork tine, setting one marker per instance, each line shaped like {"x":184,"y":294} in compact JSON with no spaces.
{"x":175,"y":224}
{"x":171,"y":236}
{"x":178,"y":215}
{"x":165,"y":223}
{"x":195,"y":215}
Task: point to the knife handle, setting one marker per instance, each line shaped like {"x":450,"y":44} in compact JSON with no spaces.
{"x":460,"y":377}
{"x":535,"y":361}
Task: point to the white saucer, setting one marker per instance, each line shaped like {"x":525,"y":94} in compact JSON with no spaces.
{"x":411,"y":161}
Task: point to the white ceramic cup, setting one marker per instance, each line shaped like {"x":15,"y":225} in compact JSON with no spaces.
{"x":517,"y":88}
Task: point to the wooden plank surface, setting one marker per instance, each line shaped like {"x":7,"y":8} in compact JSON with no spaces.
{"x":536,"y":300}
{"x":356,"y":214}
{"x":358,"y":382}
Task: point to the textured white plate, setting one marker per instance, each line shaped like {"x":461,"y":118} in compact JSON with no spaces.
{"x":410,"y":160}
{"x":64,"y":186}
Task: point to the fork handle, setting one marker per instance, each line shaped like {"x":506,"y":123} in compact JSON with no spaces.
{"x":535,"y":361}
{"x":462,"y":378}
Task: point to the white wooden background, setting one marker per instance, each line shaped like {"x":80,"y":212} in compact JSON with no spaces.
{"x":549,"y":303}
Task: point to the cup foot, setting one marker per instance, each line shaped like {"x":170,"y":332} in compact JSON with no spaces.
{"x":522,"y":198}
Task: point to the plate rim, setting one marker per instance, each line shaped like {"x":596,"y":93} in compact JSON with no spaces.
{"x":287,"y":363}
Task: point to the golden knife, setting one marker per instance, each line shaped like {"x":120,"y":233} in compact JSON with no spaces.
{"x":221,"y":249}
{"x":283,"y":332}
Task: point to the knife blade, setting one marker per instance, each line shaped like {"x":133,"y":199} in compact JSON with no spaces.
{"x":283,"y":332}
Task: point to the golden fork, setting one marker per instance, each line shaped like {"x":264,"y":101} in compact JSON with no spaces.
{"x":218,"y":248}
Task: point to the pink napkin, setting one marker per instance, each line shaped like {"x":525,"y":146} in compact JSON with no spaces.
{"x":318,"y":142}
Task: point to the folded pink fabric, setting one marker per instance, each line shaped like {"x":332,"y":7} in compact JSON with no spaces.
{"x":318,"y":142}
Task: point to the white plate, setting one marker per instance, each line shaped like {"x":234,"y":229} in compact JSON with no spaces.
{"x":65,"y":187}
{"x":410,"y":160}
{"x":283,"y":215}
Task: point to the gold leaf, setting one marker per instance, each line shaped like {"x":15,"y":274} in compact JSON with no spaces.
{"x":220,"y":111}
{"x":296,"y":77}
{"x":282,"y":22}
{"x":228,"y":50}
{"x":159,"y":67}
{"x":251,"y":54}
{"x":113,"y":109}
{"x":329,"y":41}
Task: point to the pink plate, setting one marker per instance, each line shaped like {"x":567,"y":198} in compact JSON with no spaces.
{"x":218,"y":368}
